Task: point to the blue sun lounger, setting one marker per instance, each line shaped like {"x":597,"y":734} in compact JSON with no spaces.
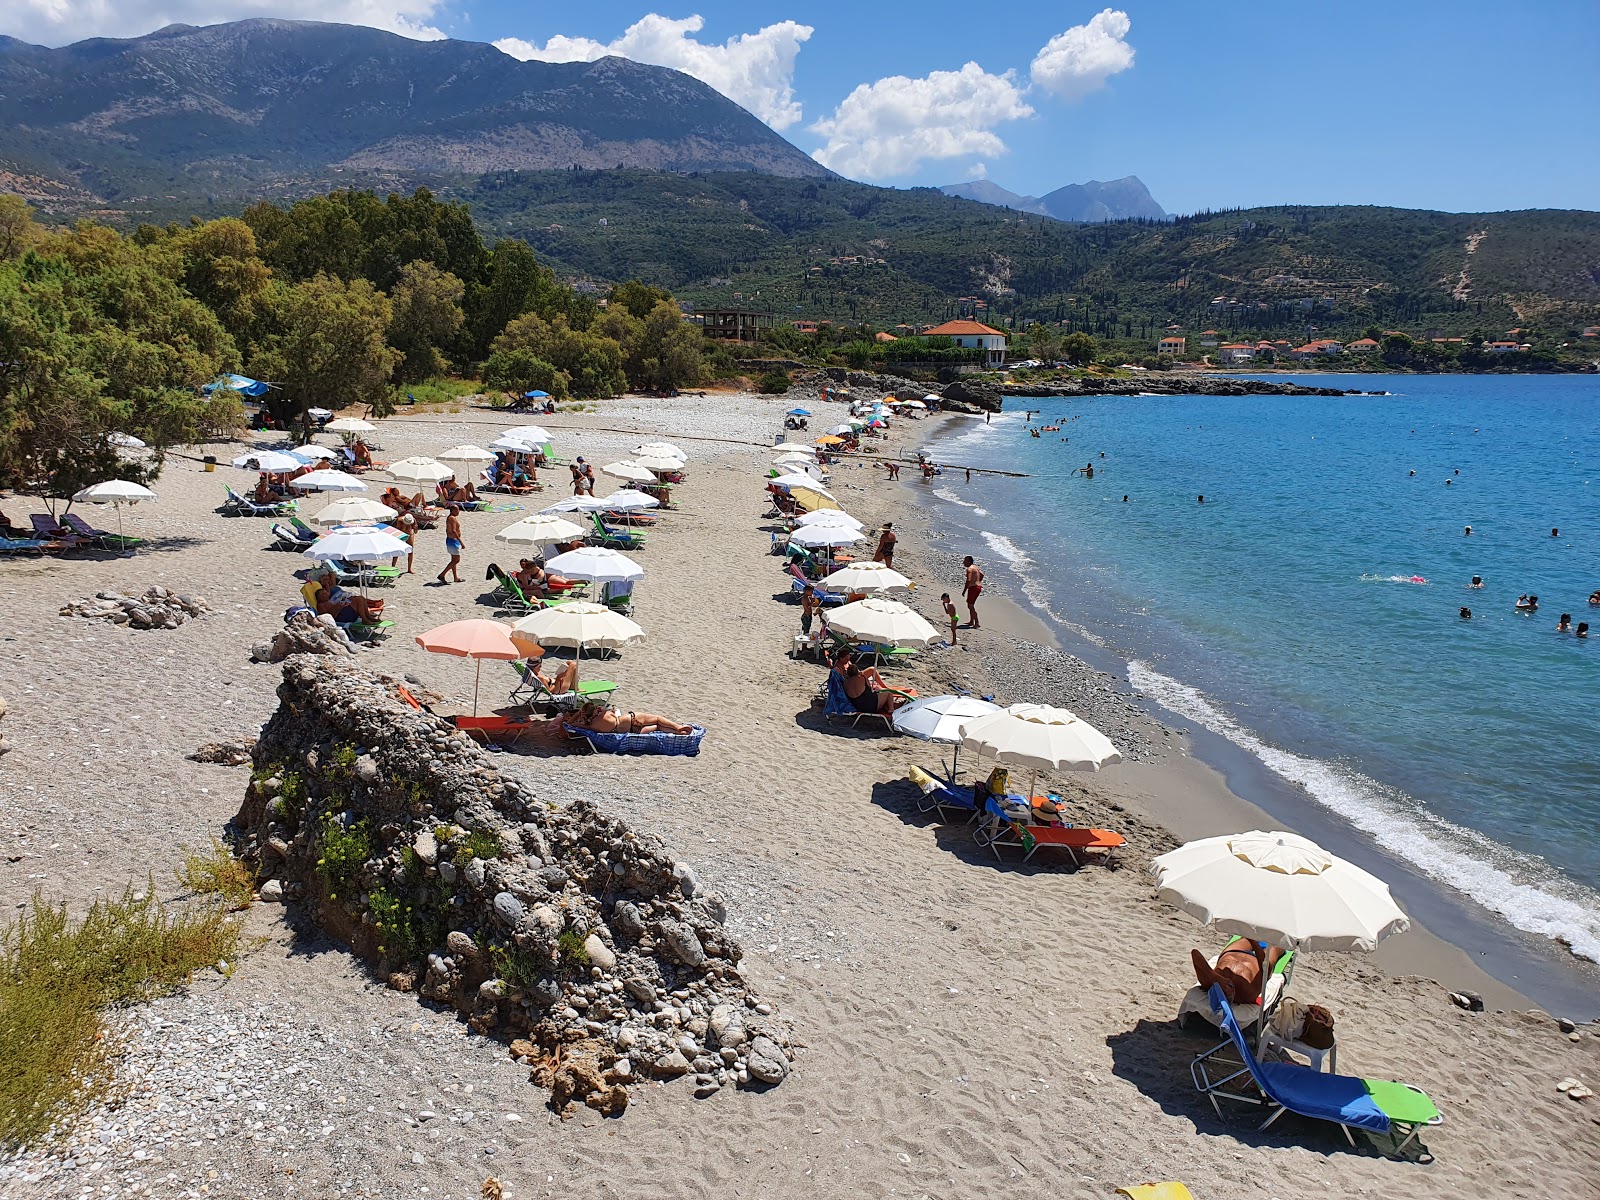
{"x":1376,"y":1105}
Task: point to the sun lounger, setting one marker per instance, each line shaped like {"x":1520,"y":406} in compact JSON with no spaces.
{"x":621,"y":539}
{"x":531,"y":689}
{"x":11,"y":545}
{"x":1376,"y":1105}
{"x":111,"y":541}
{"x":367,"y":631}
{"x":47,"y":529}
{"x":1002,"y":828}
{"x":486,"y":483}
{"x":880,"y":655}
{"x":242,"y":506}
{"x":684,"y":744}
{"x":493,"y":729}
{"x":1196,"y":1002}
{"x":837,"y":704}
{"x":289,"y":539}
{"x":953,"y":805}
{"x":798,"y":582}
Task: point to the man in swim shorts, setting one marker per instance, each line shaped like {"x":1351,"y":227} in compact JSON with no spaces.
{"x":973,"y":587}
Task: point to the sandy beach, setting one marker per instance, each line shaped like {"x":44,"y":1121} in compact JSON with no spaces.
{"x":970,"y":1027}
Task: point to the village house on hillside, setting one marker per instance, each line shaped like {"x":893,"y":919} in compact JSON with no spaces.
{"x":1362,"y":346}
{"x":974,"y":335}
{"x":1172,"y":345}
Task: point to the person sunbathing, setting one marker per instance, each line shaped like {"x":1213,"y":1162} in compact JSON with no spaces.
{"x":1242,"y":969}
{"x":865,"y":688}
{"x":394,"y":499}
{"x":363,"y":455}
{"x":604,"y":719}
{"x":558,"y":683}
{"x":345,"y":607}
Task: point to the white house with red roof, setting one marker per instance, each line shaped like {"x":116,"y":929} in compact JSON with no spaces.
{"x":1362,"y":346}
{"x":974,"y":335}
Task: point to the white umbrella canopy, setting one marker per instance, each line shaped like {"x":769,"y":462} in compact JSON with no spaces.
{"x":465,"y":453}
{"x":940,"y":718}
{"x":350,"y":425}
{"x":912,"y":404}
{"x":812,"y":537}
{"x":886,"y":622}
{"x":627,"y":500}
{"x":580,"y":625}
{"x":513,"y":444}
{"x":1279,"y":888}
{"x":313,"y":453}
{"x":353,"y":510}
{"x":597,"y":563}
{"x":273,"y":462}
{"x":797,"y":479}
{"x":1041,"y":737}
{"x":863,"y":576}
{"x":829,"y":516}
{"x":663,"y":450}
{"x":791,"y":466}
{"x":575,"y":504}
{"x":357,"y":544}
{"x":537,"y":435}
{"x":658,"y":462}
{"x":327,"y":481}
{"x":844,"y":429}
{"x":539,"y":529}
{"x":115,"y":492}
{"x":630,"y":472}
{"x":420,"y":470}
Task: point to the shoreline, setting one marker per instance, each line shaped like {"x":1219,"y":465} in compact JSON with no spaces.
{"x":1453,"y":941}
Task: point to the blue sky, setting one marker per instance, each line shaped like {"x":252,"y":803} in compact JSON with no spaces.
{"x":1464,"y":106}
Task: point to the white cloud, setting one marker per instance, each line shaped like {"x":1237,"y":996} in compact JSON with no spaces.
{"x":755,"y":70}
{"x":57,"y":22}
{"x":891,"y":127}
{"x":978,"y":170}
{"x":1075,"y":63}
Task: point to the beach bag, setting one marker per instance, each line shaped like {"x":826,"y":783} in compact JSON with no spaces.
{"x":1317,"y":1029}
{"x":999,"y":781}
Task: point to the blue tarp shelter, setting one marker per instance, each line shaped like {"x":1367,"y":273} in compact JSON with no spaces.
{"x":242,"y":384}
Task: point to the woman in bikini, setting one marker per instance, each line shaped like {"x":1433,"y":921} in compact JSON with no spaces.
{"x":603,"y":719}
{"x":865,"y":689}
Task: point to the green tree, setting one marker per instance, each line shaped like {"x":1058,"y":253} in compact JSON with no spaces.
{"x":217,"y":263}
{"x":521,"y":370}
{"x":592,"y":362}
{"x":1079,"y":349}
{"x":18,"y":231}
{"x":328,"y":349}
{"x":427,"y":314}
{"x":667,"y":354}
{"x":638,"y":298}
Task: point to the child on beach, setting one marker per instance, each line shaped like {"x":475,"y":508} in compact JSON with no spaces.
{"x":950,"y":613}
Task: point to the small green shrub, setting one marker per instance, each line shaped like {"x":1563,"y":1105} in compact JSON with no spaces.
{"x":343,"y":761}
{"x":573,"y":955}
{"x":400,"y":934}
{"x":344,"y":851}
{"x":218,"y":873}
{"x":516,"y":967}
{"x":773,"y":383}
{"x":477,"y":844}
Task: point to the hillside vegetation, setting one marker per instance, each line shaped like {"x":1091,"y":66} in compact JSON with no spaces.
{"x":722,"y":238}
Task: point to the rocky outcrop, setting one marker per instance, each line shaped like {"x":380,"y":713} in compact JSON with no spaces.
{"x":156,"y":608}
{"x":305,"y":632}
{"x":1167,"y":385}
{"x":581,"y":942}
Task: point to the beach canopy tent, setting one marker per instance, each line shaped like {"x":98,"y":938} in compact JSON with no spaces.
{"x":539,"y":529}
{"x":242,"y":384}
{"x":940,"y":718}
{"x":270,"y":462}
{"x":862,"y":576}
{"x":353,"y":510}
{"x":476,"y":639}
{"x":115,"y":492}
{"x":1279,"y":888}
{"x":579,"y":625}
{"x":420,"y":470}
{"x":597,"y":563}
{"x":884,"y":622}
{"x":327,"y":481}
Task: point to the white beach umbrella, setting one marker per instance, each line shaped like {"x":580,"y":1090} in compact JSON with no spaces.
{"x":514,"y":444}
{"x":125,"y":441}
{"x":536,"y":435}
{"x":828,"y":516}
{"x":794,"y":466}
{"x":327,"y":481}
{"x":358,"y":543}
{"x":1279,"y":888}
{"x":658,"y":462}
{"x":465,"y":453}
{"x":791,"y":456}
{"x":629,"y":472}
{"x":863,"y":576}
{"x":350,"y":425}
{"x":353,"y":510}
{"x":886,"y":622}
{"x":420,"y":470}
{"x":798,"y":479}
{"x":598,"y":563}
{"x":913,"y":404}
{"x":115,"y":492}
{"x":627,"y":500}
{"x":580,"y":625}
{"x":313,"y":453}
{"x":272,"y":462}
{"x":1041,"y":737}
{"x":844,"y":429}
{"x":574,"y":504}
{"x":814,"y":536}
{"x":939,"y":719}
{"x":539,"y":529}
{"x":663,"y":449}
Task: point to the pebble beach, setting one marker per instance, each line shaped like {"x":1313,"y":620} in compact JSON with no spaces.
{"x":964,"y":1026}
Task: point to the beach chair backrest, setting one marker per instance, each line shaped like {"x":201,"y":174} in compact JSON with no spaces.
{"x":838,"y":703}
{"x":1230,"y":1024}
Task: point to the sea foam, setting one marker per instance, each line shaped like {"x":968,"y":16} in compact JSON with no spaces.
{"x":1555,"y":908}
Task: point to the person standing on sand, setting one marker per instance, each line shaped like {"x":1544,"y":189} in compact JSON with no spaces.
{"x":886,"y":544}
{"x":973,"y":588}
{"x":809,"y":606}
{"x":950,"y":613}
{"x":453,"y":544}
{"x":406,"y":523}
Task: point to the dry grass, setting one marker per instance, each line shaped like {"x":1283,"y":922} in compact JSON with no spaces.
{"x":218,"y":873}
{"x":57,"y":977}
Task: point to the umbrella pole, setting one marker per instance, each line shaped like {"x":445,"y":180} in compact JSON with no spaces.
{"x":477,"y":679}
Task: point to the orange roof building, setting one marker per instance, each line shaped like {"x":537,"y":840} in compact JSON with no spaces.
{"x":974,"y":335}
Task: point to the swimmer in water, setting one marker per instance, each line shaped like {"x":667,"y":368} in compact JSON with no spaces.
{"x":1594,"y":599}
{"x":1200,"y":499}
{"x":1555,"y":533}
{"x":1469,"y":531}
{"x":1125,"y":500}
{"x":1477,"y":582}
{"x":1410,"y":472}
{"x":1466,"y":613}
{"x":1527,"y":603}
{"x":1564,"y":625}
{"x":1583,"y":629}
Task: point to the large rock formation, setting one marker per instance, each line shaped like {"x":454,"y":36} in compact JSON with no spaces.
{"x":582,"y":943}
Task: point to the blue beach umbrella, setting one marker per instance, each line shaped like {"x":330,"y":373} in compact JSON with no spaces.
{"x":798,"y":412}
{"x":242,"y":384}
{"x":536,"y":395}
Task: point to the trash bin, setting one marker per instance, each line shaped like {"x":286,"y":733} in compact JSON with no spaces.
{"x":211,"y":462}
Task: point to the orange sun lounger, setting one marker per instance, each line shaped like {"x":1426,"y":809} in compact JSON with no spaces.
{"x":493,"y":728}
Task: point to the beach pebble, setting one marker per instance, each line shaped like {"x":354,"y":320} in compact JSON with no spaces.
{"x":1566,"y":1025}
{"x":599,"y":953}
{"x":509,"y":909}
{"x":766,"y":1061}
{"x":272,"y":891}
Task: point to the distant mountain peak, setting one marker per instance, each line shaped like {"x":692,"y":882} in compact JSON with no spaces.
{"x":1092,"y":202}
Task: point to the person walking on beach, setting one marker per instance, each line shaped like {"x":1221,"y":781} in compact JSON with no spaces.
{"x":453,"y":545}
{"x":886,"y":544}
{"x":973,"y":588}
{"x":949,"y":607}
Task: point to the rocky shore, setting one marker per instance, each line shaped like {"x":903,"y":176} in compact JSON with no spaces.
{"x":989,"y":397}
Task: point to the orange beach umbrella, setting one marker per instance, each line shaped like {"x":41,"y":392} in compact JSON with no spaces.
{"x":477,"y":639}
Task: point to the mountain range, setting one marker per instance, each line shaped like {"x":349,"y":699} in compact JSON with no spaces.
{"x":1092,"y":202}
{"x":227,"y":109}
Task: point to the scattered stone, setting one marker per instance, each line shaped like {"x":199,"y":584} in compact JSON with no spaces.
{"x":766,"y":1061}
{"x":272,"y":891}
{"x":224,"y":754}
{"x":1470,"y":1001}
{"x":426,"y":848}
{"x":600,"y":954}
{"x":1566,"y":1025}
{"x":156,"y":608}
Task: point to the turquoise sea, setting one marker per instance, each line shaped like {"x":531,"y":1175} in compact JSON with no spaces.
{"x":1307,"y":611}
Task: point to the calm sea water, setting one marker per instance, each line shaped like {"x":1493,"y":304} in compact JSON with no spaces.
{"x":1287,"y":612}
